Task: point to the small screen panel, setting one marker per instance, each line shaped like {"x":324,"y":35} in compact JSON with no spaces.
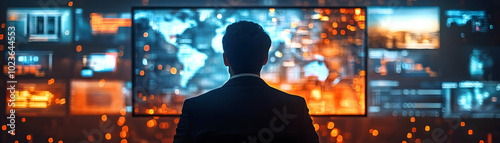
{"x":41,"y":24}
{"x":38,"y":98}
{"x":316,"y":53}
{"x":403,"y":27}
{"x":32,"y":63}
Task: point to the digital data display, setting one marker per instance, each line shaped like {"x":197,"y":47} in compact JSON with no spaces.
{"x":316,"y":53}
{"x":41,"y":24}
{"x":403,"y":27}
{"x":34,"y":63}
{"x":473,"y":99}
{"x":477,"y":21}
{"x":100,"y":62}
{"x":40,"y":98}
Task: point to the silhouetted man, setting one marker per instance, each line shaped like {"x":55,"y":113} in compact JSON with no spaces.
{"x":245,"y":109}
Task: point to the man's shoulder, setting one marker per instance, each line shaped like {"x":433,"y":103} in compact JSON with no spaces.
{"x":272,"y":92}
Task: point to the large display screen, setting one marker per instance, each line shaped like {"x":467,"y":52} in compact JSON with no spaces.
{"x":403,"y":27}
{"x":316,"y":53}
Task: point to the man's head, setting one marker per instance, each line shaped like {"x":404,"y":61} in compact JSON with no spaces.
{"x":246,"y":46}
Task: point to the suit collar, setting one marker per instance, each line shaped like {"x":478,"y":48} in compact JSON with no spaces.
{"x":245,"y":80}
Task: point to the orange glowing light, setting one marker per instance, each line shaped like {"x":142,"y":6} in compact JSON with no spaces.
{"x":342,"y":10}
{"x":16,"y":142}
{"x":409,"y":135}
{"x":335,"y":25}
{"x":145,"y":34}
{"x":334,"y":32}
{"x":101,"y":25}
{"x":311,"y":25}
{"x":123,"y":141}
{"x":353,"y":28}
{"x":51,"y":81}
{"x":326,"y":41}
{"x":340,"y":138}
{"x":164,"y":125}
{"x":123,"y":134}
{"x":469,"y":132}
{"x":427,"y":128}
{"x":151,"y":123}
{"x":370,"y":131}
{"x":176,"y":120}
{"x":403,"y":142}
{"x":1,"y":49}
{"x":413,"y":129}
{"x":28,"y":137}
{"x":342,"y":32}
{"x":481,"y":141}
{"x":357,"y":11}
{"x":125,"y":128}
{"x":60,"y":141}
{"x":335,"y":132}
{"x":293,"y":25}
{"x":173,"y":70}
{"x":1,"y":36}
{"x":79,"y":48}
{"x":462,"y":124}
{"x":144,"y":98}
{"x":325,"y":18}
{"x":412,"y":119}
{"x":375,"y":133}
{"x":4,"y":127}
{"x":330,"y":125}
{"x":316,"y":127}
{"x":23,"y":120}
{"x":102,"y":82}
{"x":344,"y":19}
{"x":146,"y":48}
{"x":160,"y":67}
{"x":123,"y":112}
{"x":51,"y":140}
{"x":361,"y":26}
{"x":3,"y":25}
{"x":108,"y":136}
{"x":323,"y":35}
{"x":151,"y":111}
{"x":104,"y":118}
{"x":271,"y":10}
{"x":70,"y":3}
{"x":141,"y":73}
{"x":120,"y":121}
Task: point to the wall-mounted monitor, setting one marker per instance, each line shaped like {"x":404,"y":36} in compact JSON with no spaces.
{"x":403,"y":27}
{"x":41,"y":24}
{"x":96,"y":97}
{"x":316,"y":53}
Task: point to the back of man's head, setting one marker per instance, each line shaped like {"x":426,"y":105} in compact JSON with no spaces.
{"x":246,"y":46}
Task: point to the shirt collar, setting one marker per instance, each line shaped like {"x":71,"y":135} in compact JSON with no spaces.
{"x":243,"y":74}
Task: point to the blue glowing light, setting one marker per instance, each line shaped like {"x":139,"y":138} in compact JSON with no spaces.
{"x":316,"y":69}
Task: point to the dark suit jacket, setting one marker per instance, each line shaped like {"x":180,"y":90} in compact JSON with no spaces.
{"x":245,"y":110}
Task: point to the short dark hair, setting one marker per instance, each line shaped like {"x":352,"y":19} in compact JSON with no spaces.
{"x":246,"y":46}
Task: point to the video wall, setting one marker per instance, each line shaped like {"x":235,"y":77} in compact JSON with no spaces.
{"x":316,"y":53}
{"x":416,"y":61}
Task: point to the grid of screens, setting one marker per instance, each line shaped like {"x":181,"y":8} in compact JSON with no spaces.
{"x":316,"y":53}
{"x":412,"y":74}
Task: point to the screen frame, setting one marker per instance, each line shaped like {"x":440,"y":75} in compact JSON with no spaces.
{"x":133,"y":32}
